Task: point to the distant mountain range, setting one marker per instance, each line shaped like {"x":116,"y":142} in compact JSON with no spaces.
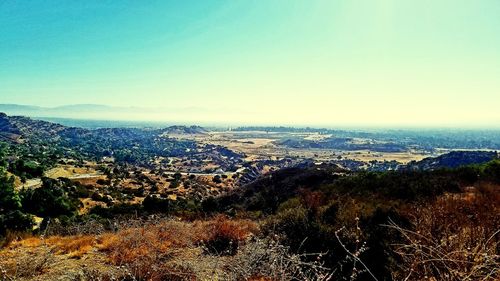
{"x":71,"y":111}
{"x":169,"y":115}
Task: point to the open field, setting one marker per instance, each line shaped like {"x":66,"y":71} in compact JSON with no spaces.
{"x":72,"y":172}
{"x":258,"y":145}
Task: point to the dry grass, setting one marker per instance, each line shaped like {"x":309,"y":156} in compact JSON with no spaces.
{"x":27,"y":266}
{"x":455,"y":238}
{"x":13,"y":238}
{"x":144,"y":250}
{"x":147,"y":250}
{"x":162,"y":249}
{"x":216,"y":249}
{"x":107,"y":241}
{"x":74,"y":246}
{"x":30,"y":242}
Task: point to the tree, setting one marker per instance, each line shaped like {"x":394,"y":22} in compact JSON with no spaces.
{"x":11,"y":215}
{"x":217,"y":179}
{"x":492,"y":170}
{"x":209,"y":205}
{"x":50,"y":200}
{"x":3,"y":153}
{"x":15,"y":220}
{"x":28,"y":169}
{"x":155,"y":203}
{"x":9,"y":199}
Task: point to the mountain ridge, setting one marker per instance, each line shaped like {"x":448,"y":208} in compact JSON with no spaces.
{"x":14,"y":128}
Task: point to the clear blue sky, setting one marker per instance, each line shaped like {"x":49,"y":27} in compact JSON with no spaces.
{"x":325,"y":62}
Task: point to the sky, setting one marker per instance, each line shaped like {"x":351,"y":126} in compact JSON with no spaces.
{"x":274,"y":62}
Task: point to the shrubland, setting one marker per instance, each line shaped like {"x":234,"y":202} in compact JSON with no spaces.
{"x":315,"y":223}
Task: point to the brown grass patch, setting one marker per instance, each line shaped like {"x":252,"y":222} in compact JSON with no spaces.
{"x":30,"y":242}
{"x":74,"y":246}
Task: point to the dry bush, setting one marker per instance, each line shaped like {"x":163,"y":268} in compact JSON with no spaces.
{"x":257,"y":259}
{"x":172,"y":250}
{"x":147,"y":250}
{"x":89,"y":227}
{"x":454,"y":238}
{"x":144,"y":250}
{"x":312,"y":200}
{"x":259,"y":278}
{"x":489,"y":190}
{"x":222,"y":236}
{"x":352,"y":265}
{"x":266,"y":259}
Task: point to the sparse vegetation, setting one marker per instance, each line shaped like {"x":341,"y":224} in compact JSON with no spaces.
{"x":137,"y":215}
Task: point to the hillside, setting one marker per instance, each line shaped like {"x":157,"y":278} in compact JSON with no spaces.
{"x":94,"y":143}
{"x":170,"y":204}
{"x":8,"y":131}
{"x":28,"y":127}
{"x":316,"y":219}
{"x":15,"y":127}
{"x":184,"y":130}
{"x":453,"y":159}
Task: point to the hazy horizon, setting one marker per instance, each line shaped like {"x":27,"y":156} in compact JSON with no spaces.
{"x":378,"y":63}
{"x":139,"y":117}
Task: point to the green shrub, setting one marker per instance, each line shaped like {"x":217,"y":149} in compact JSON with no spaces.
{"x":28,"y":169}
{"x":50,"y":200}
{"x":9,"y":199}
{"x":209,"y":205}
{"x":492,"y":170}
{"x":156,"y":204}
{"x":11,"y":216}
{"x":115,"y":210}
